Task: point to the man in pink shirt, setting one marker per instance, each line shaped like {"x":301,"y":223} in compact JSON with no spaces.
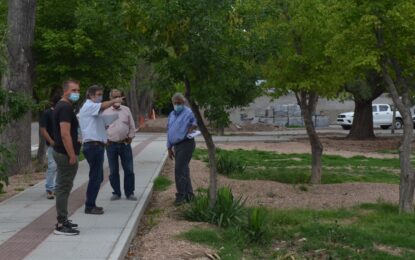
{"x":120,"y":134}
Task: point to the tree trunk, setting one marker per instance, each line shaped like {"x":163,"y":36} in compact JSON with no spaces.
{"x":362,"y":127}
{"x":132,"y":99}
{"x":364,"y":92}
{"x":21,"y":24}
{"x":407,"y":179}
{"x":140,"y":95}
{"x":307,"y":102}
{"x":209,"y":144}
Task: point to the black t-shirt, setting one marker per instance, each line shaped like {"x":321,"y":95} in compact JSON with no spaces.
{"x":47,"y":122}
{"x":64,"y":112}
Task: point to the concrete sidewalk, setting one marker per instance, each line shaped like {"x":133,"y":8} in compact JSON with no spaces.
{"x":27,"y":220}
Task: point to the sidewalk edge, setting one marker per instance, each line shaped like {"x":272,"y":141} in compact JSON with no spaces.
{"x":121,"y":247}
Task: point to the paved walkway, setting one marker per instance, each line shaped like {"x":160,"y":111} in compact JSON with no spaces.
{"x":27,"y":220}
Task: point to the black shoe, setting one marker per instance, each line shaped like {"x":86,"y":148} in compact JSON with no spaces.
{"x":62,"y":229}
{"x":69,"y":223}
{"x":94,"y":211}
{"x":50,"y":195}
{"x":179,"y":202}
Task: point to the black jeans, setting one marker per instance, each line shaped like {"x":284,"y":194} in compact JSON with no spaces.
{"x":183,"y":154}
{"x":94,"y":154}
{"x":124,"y":152}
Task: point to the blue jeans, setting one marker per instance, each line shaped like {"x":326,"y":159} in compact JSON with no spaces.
{"x":94,"y":154}
{"x":51,"y":171}
{"x":124,"y":152}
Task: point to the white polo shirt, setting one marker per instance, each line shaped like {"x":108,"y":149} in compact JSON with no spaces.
{"x":92,"y":123}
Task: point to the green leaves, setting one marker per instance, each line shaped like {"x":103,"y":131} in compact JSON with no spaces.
{"x":203,"y":41}
{"x":88,"y":41}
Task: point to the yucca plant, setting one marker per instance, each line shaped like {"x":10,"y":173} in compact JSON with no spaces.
{"x":227,"y":210}
{"x":198,"y":209}
{"x":256,"y":227}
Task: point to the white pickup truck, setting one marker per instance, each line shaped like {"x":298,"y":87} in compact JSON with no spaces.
{"x":382,"y":117}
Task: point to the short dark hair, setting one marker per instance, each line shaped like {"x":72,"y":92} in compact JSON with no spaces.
{"x":55,"y":98}
{"x":66,"y":83}
{"x":92,"y":90}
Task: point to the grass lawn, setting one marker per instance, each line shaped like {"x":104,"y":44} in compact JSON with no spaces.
{"x":295,"y":168}
{"x":368,"y":231}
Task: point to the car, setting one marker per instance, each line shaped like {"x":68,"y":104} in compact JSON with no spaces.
{"x":382,"y":117}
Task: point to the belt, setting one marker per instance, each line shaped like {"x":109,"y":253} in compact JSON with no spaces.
{"x":183,"y":141}
{"x":95,"y":143}
{"x":125,"y":141}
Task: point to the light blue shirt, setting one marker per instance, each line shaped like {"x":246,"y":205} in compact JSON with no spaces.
{"x":178,"y":125}
{"x":92,"y":123}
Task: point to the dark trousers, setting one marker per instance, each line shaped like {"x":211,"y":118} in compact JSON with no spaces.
{"x":124,"y":152}
{"x":94,"y":154}
{"x":64,"y":182}
{"x":183,"y":154}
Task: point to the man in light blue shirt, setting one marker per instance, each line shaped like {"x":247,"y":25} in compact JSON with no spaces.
{"x":94,"y":138}
{"x":180,"y":123}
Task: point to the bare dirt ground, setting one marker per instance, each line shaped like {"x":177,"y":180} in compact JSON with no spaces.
{"x":157,"y":238}
{"x":332,"y":145}
{"x":160,"y":226}
{"x":19,"y":183}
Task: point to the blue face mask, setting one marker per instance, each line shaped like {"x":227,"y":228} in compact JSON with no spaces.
{"x":178,"y":108}
{"x":74,"y":97}
{"x":98,"y":99}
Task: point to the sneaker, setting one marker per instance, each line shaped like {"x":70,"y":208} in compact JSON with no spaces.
{"x":115,"y":197}
{"x":50,"y":195}
{"x":70,"y":224}
{"x":94,"y":211}
{"x":131,"y":197}
{"x":62,"y":229}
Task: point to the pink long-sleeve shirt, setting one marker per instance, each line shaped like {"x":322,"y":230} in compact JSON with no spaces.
{"x":123,"y":127}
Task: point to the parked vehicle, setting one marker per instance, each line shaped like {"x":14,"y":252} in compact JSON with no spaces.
{"x":382,"y":117}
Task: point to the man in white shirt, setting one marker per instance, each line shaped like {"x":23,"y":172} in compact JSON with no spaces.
{"x":120,"y":134}
{"x":94,"y":138}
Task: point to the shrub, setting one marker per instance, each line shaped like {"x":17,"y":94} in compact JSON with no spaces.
{"x":199,"y":208}
{"x":256,"y":227}
{"x":226,"y":211}
{"x":228,"y":164}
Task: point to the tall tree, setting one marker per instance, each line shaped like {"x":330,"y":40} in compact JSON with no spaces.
{"x":19,"y":77}
{"x":85,"y":40}
{"x":201,"y":45}
{"x":380,"y":36}
{"x":299,"y":30}
{"x":364,"y":91}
